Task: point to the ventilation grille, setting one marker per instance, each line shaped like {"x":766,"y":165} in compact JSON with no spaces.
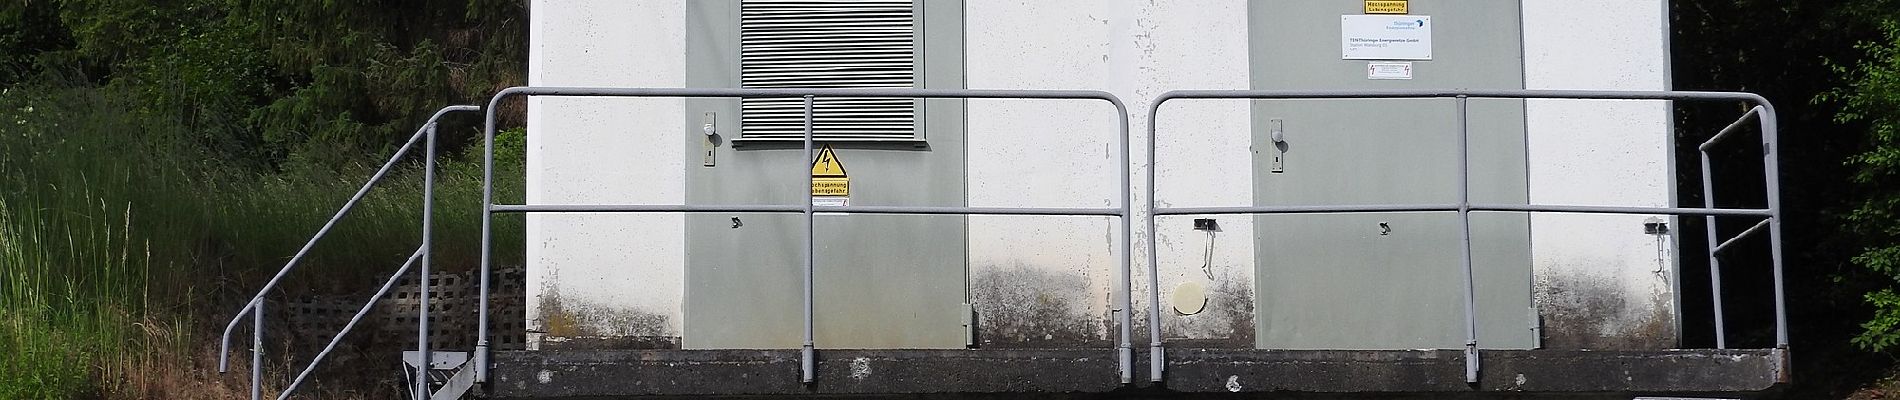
{"x":828,"y":44}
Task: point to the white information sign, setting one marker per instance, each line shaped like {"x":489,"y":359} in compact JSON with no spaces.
{"x":832,"y":201}
{"x":1385,"y":37}
{"x":1389,"y":70}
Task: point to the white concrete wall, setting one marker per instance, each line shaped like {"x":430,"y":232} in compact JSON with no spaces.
{"x":1061,"y":154}
{"x":604,"y":269}
{"x":1600,"y":153}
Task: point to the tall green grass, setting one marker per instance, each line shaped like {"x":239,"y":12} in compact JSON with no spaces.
{"x":110,"y":220}
{"x":74,"y":286}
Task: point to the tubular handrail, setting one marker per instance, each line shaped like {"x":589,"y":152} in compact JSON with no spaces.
{"x":1708,"y":200}
{"x":360,"y":313}
{"x":312,"y":243}
{"x":1751,"y":231}
{"x":255,"y":307}
{"x":807,"y":350}
{"x":1368,"y":208}
{"x":645,"y":208}
{"x":1762,"y":110}
{"x":1731,"y":128}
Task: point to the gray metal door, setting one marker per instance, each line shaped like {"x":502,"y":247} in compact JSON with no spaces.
{"x":882,"y":281}
{"x":1391,"y":280}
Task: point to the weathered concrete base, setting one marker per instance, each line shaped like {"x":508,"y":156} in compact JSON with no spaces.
{"x":1092,"y":373}
{"x":564,"y":374}
{"x":1503,"y":371}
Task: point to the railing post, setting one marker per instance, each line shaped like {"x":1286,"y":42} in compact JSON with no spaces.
{"x":422,"y":308}
{"x":257,"y":349}
{"x":807,"y":358}
{"x":1771,"y":168}
{"x":1715,"y":264}
{"x":488,"y":217}
{"x":1464,"y":238}
{"x":1157,"y":360}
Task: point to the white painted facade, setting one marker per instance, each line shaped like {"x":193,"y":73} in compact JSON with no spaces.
{"x":605,"y":268}
{"x":1601,"y":153}
{"x":605,"y":150}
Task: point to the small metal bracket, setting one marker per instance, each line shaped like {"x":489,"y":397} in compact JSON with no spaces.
{"x":452,"y":369}
{"x":1471,"y":363}
{"x":969,"y":325}
{"x":1655,"y":226}
{"x":1537,"y":328}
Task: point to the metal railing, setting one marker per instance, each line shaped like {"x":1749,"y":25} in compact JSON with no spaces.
{"x":490,"y":208}
{"x":1762,"y":111}
{"x":255,"y":307}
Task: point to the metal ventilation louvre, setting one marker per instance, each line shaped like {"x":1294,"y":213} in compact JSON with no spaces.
{"x":828,"y":44}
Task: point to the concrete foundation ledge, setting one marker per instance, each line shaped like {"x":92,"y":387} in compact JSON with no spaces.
{"x":606,"y":374}
{"x":1087,"y":373}
{"x":1612,"y":374}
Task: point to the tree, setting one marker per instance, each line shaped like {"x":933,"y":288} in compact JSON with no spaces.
{"x":1872,"y":98}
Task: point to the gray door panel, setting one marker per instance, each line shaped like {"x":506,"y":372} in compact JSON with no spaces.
{"x":1387,"y":281}
{"x":882,"y":281}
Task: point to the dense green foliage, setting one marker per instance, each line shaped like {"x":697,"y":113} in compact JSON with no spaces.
{"x":161,"y":158}
{"x":1873,"y":98}
{"x":1820,"y":63}
{"x":285,"y":84}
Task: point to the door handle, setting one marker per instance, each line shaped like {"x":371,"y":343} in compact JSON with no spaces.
{"x":1276,"y":132}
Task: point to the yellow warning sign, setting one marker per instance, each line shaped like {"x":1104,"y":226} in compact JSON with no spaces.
{"x":1386,"y":7}
{"x":827,"y":175}
{"x":831,"y":186}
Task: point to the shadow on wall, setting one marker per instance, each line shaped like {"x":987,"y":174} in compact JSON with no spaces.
{"x":1019,"y":306}
{"x":1590,"y":311}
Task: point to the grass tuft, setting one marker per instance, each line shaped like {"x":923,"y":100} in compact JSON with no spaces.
{"x":117,"y":238}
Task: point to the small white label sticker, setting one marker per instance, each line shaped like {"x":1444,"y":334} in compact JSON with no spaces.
{"x":1385,"y":37}
{"x":1388,"y":70}
{"x":831,"y":201}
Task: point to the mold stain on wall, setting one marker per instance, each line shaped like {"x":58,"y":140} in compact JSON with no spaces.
{"x":566,"y":324}
{"x":1226,"y":322}
{"x":1587,"y":310}
{"x":1019,"y":306}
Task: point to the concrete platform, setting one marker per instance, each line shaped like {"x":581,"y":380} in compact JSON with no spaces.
{"x":1088,"y":373}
